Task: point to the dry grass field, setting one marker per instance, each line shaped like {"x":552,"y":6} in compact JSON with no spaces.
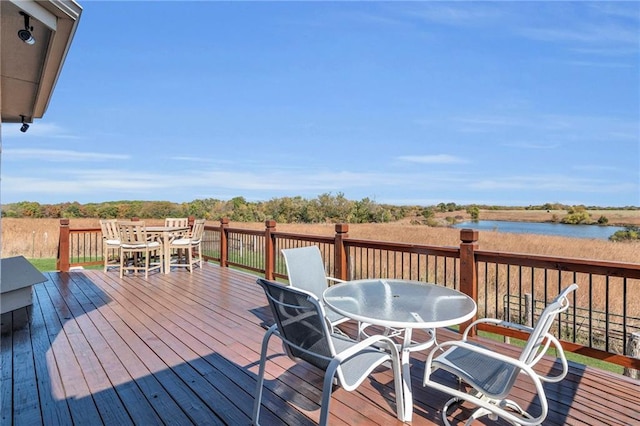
{"x":38,"y":238}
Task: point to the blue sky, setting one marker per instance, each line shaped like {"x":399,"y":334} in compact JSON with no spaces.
{"x":506,"y":103}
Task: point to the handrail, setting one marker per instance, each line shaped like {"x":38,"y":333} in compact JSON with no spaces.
{"x":483,"y":275}
{"x":601,"y":267}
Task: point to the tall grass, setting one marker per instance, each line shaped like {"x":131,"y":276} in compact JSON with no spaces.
{"x":38,"y":238}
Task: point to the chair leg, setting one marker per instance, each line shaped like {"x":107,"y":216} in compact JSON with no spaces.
{"x":480,"y":412}
{"x":517,"y":408}
{"x":146,"y":264}
{"x":260,"y":381}
{"x":121,"y":263}
{"x":327,"y":388}
{"x":452,"y":403}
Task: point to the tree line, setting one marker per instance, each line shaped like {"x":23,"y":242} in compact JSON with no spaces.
{"x":324,"y":208}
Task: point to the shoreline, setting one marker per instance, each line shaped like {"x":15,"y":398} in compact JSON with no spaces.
{"x":621,"y":218}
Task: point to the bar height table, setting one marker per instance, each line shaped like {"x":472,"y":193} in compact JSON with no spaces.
{"x":166,"y":233}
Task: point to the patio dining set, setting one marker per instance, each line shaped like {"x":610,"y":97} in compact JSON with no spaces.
{"x":308,"y":315}
{"x":136,"y":247}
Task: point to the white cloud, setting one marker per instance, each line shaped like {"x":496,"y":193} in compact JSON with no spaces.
{"x":549,"y":183}
{"x":600,"y":64}
{"x":262,"y":183}
{"x":531,"y":145}
{"x":459,"y":14}
{"x":191,"y":159}
{"x":55,"y":155}
{"x":587,"y":33}
{"x":432,"y":159}
{"x":596,"y":168}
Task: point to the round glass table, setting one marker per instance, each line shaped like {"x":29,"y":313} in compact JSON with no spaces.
{"x":404,"y":305}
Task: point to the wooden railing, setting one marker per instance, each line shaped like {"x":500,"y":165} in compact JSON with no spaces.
{"x":608,"y":290}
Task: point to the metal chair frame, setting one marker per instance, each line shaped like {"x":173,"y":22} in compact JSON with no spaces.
{"x":305,"y":334}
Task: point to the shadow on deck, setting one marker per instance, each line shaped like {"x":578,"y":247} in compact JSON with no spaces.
{"x":184,"y":349}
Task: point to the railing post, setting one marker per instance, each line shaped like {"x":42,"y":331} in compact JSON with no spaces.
{"x":633,"y":351}
{"x":224,"y":242}
{"x":63,"y":262}
{"x":190,"y":221}
{"x":528,"y":309}
{"x":269,"y":249}
{"x":468,"y":276}
{"x":340,"y":264}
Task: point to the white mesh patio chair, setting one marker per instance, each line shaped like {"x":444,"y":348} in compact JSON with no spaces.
{"x":110,"y":242}
{"x":135,"y":244}
{"x":305,"y":270}
{"x":300,"y":324}
{"x":491,"y":375}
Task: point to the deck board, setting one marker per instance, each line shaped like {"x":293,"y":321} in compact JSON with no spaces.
{"x":184,"y":349}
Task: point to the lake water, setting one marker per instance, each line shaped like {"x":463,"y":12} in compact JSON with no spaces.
{"x":560,"y":229}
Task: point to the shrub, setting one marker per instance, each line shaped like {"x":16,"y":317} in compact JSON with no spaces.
{"x":576,"y":217}
{"x":630,"y":233}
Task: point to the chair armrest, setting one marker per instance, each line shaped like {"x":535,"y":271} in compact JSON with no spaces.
{"x":498,"y":322}
{"x":335,"y":280}
{"x":563,"y":359}
{"x":368,"y":342}
{"x":180,"y":234}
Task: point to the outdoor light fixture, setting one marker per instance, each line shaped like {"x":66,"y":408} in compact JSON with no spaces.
{"x":25,"y":35}
{"x":25,"y":126}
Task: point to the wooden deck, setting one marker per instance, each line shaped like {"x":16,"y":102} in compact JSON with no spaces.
{"x":183,"y":349}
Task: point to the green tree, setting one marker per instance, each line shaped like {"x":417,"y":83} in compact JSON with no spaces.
{"x":286,"y":209}
{"x":71,"y":210}
{"x":157,"y":209}
{"x":365,"y":211}
{"x":201,"y":208}
{"x":474,"y":212}
{"x":30,"y":209}
{"x":108,"y":211}
{"x":334,"y":209}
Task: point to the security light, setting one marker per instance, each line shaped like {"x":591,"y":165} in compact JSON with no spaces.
{"x":25,"y":126}
{"x":25,"y":34}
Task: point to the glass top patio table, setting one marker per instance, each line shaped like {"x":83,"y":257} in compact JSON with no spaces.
{"x":401,"y":304}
